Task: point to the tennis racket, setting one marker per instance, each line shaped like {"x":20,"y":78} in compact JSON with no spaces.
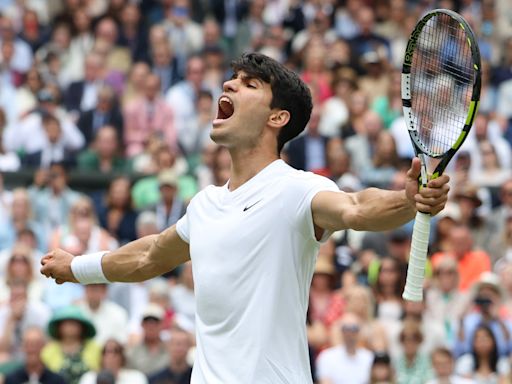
{"x":440,"y":94}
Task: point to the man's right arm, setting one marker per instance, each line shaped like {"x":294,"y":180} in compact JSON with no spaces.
{"x":139,"y":260}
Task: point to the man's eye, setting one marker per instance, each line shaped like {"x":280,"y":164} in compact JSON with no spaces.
{"x":251,"y":86}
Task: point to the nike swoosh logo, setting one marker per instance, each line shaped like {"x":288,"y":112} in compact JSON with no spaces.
{"x":252,"y":205}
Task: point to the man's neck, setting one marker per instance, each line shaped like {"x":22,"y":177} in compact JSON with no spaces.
{"x":245,"y":164}
{"x":34,"y":368}
{"x":178,"y":366}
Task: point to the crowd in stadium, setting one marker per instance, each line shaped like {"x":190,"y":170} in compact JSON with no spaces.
{"x":125,"y":91}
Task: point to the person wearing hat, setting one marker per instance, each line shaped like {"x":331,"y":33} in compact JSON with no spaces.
{"x":150,"y":355}
{"x":487,"y":295}
{"x":170,"y":206}
{"x":72,"y":352}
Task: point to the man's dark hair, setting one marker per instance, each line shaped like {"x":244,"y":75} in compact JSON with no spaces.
{"x":289,"y":92}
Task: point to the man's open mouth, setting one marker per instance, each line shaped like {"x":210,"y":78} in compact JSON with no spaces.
{"x":226,"y":108}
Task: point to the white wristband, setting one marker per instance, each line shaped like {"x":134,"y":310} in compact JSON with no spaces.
{"x":87,"y":268}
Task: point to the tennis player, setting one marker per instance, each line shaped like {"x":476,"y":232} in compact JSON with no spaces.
{"x":253,"y":241}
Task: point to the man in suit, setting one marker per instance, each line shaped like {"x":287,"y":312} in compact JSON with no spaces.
{"x":83,"y":95}
{"x":106,"y":112}
{"x":165,"y":66}
{"x":308,"y":151}
{"x":147,"y":115}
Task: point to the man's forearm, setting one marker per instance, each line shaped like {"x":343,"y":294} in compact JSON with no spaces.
{"x":146,"y":257}
{"x":381,"y":210}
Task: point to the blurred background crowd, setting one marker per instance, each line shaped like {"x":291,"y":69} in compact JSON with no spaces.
{"x":105,"y":111}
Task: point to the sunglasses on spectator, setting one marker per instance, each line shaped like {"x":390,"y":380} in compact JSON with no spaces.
{"x":350,"y":328}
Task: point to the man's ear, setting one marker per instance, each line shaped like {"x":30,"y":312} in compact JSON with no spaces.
{"x":279,"y":118}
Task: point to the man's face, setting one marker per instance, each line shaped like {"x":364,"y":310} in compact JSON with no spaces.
{"x":442,"y":364}
{"x":244,"y":110}
{"x":179,"y":345}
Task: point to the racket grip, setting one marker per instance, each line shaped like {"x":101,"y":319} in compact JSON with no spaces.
{"x":413,"y":290}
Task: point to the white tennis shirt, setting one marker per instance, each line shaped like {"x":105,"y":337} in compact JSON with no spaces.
{"x":253,"y":253}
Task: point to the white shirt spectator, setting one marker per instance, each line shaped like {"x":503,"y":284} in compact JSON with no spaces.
{"x":336,"y":365}
{"x":110,"y":321}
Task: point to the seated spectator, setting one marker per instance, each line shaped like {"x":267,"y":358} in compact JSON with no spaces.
{"x":29,"y":134}
{"x":471,"y":262}
{"x":109,"y":318}
{"x":17,"y":315}
{"x":54,"y":149}
{"x":487,"y":300}
{"x":81,"y":234}
{"x":21,"y":267}
{"x":9,"y":160}
{"x":178,"y":370}
{"x":147,"y":115}
{"x":72,"y":352}
{"x":347,"y":363}
{"x":134,"y":87}
{"x":483,"y":362}
{"x":26,"y":95}
{"x":388,"y":288}
{"x":33,"y":368}
{"x":384,"y":163}
{"x":104,"y":156}
{"x":443,"y":364}
{"x":113,"y":360}
{"x":116,"y":214}
{"x":382,"y":371}
{"x":105,"y":112}
{"x":412,"y":366}
{"x":21,"y":218}
{"x":183,"y":299}
{"x":51,"y":203}
{"x":150,"y":355}
{"x":445,"y":304}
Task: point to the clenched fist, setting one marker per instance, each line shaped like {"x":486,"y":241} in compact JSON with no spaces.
{"x":57,"y":265}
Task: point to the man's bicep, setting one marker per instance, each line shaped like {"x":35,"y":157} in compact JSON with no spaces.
{"x":170,"y":249}
{"x":334,"y":211}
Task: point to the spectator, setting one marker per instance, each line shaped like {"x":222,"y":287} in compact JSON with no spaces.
{"x":470,"y":261}
{"x":483,"y":362}
{"x":116,"y":214}
{"x":21,"y":267}
{"x":72,"y":352}
{"x":487,"y":300}
{"x":497,"y":219}
{"x":185,"y":35}
{"x":82,"y":95}
{"x":389,"y":106}
{"x":109,"y":319}
{"x":134,"y":87}
{"x":198,"y":128}
{"x":445,"y":304}
{"x":104,"y":155}
{"x":17,"y":315}
{"x":29,"y":136}
{"x":113,"y":360}
{"x":146,"y":115}
{"x":170,"y":207}
{"x":117,"y":58}
{"x":382,"y":369}
{"x":9,"y":160}
{"x":346,"y":363}
{"x":183,"y":299}
{"x":165,"y":66}
{"x":83,"y":39}
{"x":22,"y":58}
{"x":133,"y":33}
{"x":32,"y":32}
{"x":178,"y":370}
{"x":33,"y":369}
{"x":106,"y":112}
{"x":388,"y":288}
{"x":384,"y":162}
{"x":26,"y":95}
{"x":443,"y":365}
{"x":52,"y":203}
{"x":413,"y":366}
{"x":150,"y":355}
{"x":54,"y":148}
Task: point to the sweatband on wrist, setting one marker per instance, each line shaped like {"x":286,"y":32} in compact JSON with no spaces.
{"x":87,"y":268}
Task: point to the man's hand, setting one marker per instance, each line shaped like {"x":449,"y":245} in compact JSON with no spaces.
{"x":431,"y":199}
{"x":57,"y":265}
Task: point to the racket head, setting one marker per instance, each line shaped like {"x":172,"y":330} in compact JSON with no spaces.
{"x":441,"y":79}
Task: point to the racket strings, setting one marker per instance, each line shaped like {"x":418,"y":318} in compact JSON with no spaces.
{"x":442,"y":78}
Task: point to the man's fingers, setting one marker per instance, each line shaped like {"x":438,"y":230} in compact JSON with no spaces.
{"x":435,"y":192}
{"x":438,"y":182}
{"x":415,"y":170}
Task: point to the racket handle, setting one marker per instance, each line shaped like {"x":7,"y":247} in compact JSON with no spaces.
{"x":413,"y":290}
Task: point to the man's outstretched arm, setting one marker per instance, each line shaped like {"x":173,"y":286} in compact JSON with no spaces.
{"x":378,"y":210}
{"x":139,"y":260}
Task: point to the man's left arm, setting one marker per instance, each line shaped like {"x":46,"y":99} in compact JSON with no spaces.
{"x":375,"y":209}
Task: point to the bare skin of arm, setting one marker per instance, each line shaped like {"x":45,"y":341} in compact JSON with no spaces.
{"x":378,"y":210}
{"x":138,"y":260}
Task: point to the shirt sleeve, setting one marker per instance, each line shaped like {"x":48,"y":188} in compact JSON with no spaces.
{"x":302,"y":189}
{"x":182,"y":228}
